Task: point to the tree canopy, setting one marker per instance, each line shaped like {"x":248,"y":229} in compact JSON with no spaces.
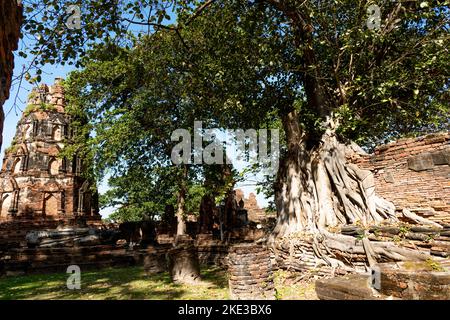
{"x":310,"y":67}
{"x":394,"y":78}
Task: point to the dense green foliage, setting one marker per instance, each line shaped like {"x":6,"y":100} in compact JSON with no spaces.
{"x":393,"y":78}
{"x":128,"y":104}
{"x":244,"y":64}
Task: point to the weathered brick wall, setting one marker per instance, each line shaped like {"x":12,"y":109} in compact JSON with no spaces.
{"x":250,"y":269}
{"x":414,"y":173}
{"x":19,"y":261}
{"x":10,"y":22}
{"x":255,"y":212}
{"x":34,"y":181}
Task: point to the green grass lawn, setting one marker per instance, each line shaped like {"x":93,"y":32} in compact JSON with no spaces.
{"x":115,"y":284}
{"x":134,"y":283}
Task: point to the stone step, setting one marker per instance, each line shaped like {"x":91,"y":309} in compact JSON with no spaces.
{"x":411,"y":280}
{"x":423,"y":280}
{"x":350,"y":287}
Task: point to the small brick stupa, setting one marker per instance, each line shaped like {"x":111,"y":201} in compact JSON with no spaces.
{"x":35,"y":183}
{"x":255,"y":213}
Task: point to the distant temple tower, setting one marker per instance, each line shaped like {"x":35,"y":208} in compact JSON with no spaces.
{"x":35,"y":183}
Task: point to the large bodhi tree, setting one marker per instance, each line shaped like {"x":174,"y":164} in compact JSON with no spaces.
{"x":357,"y":83}
{"x":318,"y":67}
{"x":331,"y":80}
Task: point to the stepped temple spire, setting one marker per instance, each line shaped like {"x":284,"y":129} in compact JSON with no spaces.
{"x":35,"y":181}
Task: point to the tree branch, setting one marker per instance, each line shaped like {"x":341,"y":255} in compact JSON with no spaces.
{"x":198,"y":11}
{"x":152,"y":24}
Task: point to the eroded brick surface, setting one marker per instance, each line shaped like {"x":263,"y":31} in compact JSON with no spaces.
{"x":250,"y":270}
{"x":414,"y":173}
{"x":35,"y":182}
{"x":10,"y":22}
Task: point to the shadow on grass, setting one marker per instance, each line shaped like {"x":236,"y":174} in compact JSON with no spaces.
{"x":114,"y":284}
{"x":215,"y":276}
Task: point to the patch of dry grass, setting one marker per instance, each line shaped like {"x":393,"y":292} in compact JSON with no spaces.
{"x":289,"y":287}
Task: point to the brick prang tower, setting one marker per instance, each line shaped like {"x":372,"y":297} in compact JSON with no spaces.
{"x":35,"y":182}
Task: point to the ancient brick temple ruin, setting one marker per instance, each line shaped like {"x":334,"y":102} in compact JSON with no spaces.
{"x":255,"y":213}
{"x":35,"y":182}
{"x":413,"y":173}
{"x":10,"y":22}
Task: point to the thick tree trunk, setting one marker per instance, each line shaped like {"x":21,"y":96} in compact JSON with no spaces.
{"x":181,"y":223}
{"x":317,"y":188}
{"x":181,"y":201}
{"x":2,"y":121}
{"x":184,"y":266}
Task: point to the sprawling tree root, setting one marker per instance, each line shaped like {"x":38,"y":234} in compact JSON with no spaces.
{"x":420,"y":220}
{"x":317,"y":190}
{"x":375,"y":251}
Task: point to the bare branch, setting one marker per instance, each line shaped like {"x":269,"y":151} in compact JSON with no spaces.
{"x":198,"y":11}
{"x":151,"y":24}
